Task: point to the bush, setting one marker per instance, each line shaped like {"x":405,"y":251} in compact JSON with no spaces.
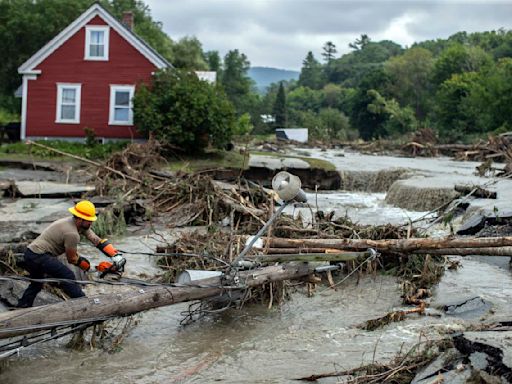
{"x":181,"y":110}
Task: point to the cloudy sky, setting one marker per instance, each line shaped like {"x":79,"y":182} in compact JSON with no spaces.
{"x":279,"y":33}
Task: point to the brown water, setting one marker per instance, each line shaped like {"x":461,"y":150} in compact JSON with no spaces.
{"x":305,"y":336}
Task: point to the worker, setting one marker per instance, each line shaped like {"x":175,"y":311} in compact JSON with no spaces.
{"x":63,"y":236}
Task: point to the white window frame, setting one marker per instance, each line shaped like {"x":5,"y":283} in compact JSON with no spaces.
{"x":78,"y":92}
{"x":111,"y":115}
{"x":106,"y":33}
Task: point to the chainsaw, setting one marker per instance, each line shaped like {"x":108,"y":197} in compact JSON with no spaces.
{"x":106,"y":267}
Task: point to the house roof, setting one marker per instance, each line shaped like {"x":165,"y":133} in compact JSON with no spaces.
{"x":28,"y":67}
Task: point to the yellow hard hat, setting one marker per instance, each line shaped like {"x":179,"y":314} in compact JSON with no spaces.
{"x":85,"y":210}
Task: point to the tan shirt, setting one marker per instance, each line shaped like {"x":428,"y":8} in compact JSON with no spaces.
{"x":59,"y":236}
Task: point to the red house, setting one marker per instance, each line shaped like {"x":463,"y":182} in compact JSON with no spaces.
{"x":86,"y":77}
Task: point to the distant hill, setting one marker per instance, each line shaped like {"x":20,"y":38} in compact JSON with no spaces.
{"x":264,"y":76}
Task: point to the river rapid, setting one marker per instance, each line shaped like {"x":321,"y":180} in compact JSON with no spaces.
{"x":303,"y":336}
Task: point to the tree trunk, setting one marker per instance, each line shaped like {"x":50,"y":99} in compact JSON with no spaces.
{"x":102,"y":307}
{"x":492,"y":251}
{"x":284,"y":258}
{"x":392,"y":245}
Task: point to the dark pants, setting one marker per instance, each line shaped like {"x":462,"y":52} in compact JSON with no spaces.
{"x":39,"y":265}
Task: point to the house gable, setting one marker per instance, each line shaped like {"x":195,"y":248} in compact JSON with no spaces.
{"x":96,"y":10}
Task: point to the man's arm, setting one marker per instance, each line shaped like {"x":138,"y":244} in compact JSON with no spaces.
{"x":92,"y":237}
{"x":79,"y":261}
{"x":72,"y":255}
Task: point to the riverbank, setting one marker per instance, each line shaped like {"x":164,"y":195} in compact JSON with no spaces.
{"x":304,"y":336}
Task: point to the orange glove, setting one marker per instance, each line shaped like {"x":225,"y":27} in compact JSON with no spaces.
{"x":107,"y":248}
{"x":83,"y":263}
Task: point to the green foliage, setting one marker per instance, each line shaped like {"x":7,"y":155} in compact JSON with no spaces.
{"x":369,"y":125}
{"x":90,"y":137}
{"x":280,"y":110}
{"x":181,"y":110}
{"x":187,"y":53}
{"x":311,"y":74}
{"x":457,"y":59}
{"x":452,"y":113}
{"x":110,"y":224}
{"x":214,"y":61}
{"x":94,"y":151}
{"x":304,"y":98}
{"x":329,"y":51}
{"x":410,"y":76}
{"x":8,"y":117}
{"x":398,"y":121}
{"x":236,"y":82}
{"x":243,"y":126}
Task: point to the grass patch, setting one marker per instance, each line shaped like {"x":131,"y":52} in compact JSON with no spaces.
{"x":314,"y":163}
{"x":210,"y":160}
{"x":94,"y":152}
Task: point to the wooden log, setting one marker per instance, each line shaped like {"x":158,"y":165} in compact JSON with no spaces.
{"x":392,"y":245}
{"x":479,"y":191}
{"x":94,"y":308}
{"x":486,"y":251}
{"x":272,"y":251}
{"x":308,"y":257}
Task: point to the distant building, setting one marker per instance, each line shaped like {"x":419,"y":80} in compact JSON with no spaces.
{"x":292,"y":134}
{"x":209,"y":76}
{"x":267,"y":119}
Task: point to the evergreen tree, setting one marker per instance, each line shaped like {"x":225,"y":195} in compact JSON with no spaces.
{"x":329,"y":52}
{"x":214,"y":61}
{"x":279,"y":109}
{"x":236,"y":81}
{"x":311,"y":73}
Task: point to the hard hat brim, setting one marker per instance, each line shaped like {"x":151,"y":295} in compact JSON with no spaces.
{"x":81,"y":215}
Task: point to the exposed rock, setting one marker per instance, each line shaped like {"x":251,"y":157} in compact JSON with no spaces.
{"x":488,"y":351}
{"x":50,"y":189}
{"x":420,"y":194}
{"x":371,"y":181}
{"x":482,"y":217}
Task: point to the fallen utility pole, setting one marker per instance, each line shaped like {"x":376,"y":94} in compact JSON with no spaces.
{"x":101,"y":307}
{"x":391,"y":245}
{"x":288,"y":257}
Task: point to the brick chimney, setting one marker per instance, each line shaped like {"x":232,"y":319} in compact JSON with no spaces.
{"x":128,"y":20}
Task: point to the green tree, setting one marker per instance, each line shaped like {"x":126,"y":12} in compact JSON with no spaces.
{"x":187,"y":53}
{"x":311,"y":73}
{"x":360,"y":43}
{"x":304,"y":98}
{"x":236,"y":81}
{"x":279,"y":110}
{"x":369,"y":125}
{"x":410,"y":76}
{"x":335,"y":124}
{"x":457,"y":59}
{"x":214,"y":61}
{"x":181,"y":110}
{"x":398,"y":121}
{"x":329,"y":52}
{"x":350,"y":69}
{"x":454,"y":120}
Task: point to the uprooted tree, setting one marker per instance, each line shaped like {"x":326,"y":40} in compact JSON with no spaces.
{"x":180,"y":109}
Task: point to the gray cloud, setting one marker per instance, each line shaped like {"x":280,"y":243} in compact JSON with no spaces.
{"x":279,"y":33}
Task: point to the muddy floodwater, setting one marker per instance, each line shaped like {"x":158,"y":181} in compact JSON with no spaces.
{"x":303,"y":336}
